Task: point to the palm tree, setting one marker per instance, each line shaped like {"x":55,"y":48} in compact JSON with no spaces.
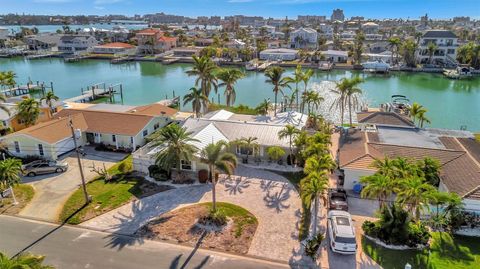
{"x":344,"y":91}
{"x":415,"y":110}
{"x":250,"y":144}
{"x":229,"y":78}
{"x":385,"y":167}
{"x":312,"y":99}
{"x":312,"y":189}
{"x":352,"y":94}
{"x":415,"y":193}
{"x":204,"y":69}
{"x":2,"y":106}
{"x":274,"y":76}
{"x":291,"y":132}
{"x":10,"y":170}
{"x":431,"y":169}
{"x":49,"y":98}
{"x":422,"y":118}
{"x":307,"y":75}
{"x":394,"y":44}
{"x":296,"y":79}
{"x":23,"y":261}
{"x":377,"y":186}
{"x":175,"y":145}
{"x":7,"y":78}
{"x":431,"y":48}
{"x":217,"y":158}
{"x":198,"y":100}
{"x":28,"y":111}
{"x":264,"y":107}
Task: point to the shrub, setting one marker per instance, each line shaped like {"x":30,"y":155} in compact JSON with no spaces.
{"x":312,"y":246}
{"x":125,"y":167}
{"x":370,"y":228}
{"x":275,"y":153}
{"x":157,"y":173}
{"x":217,"y":218}
{"x":418,"y":234}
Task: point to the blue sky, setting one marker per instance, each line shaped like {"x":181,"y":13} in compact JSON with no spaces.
{"x":266,"y":8}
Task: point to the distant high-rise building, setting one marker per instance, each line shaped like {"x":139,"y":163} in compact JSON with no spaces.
{"x":357,"y":18}
{"x":337,"y":15}
{"x":461,"y":19}
{"x":311,"y":18}
{"x":424,"y":20}
{"x":164,"y":18}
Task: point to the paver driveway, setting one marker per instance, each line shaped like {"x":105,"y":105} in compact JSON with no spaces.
{"x":52,"y":191}
{"x":270,"y":197}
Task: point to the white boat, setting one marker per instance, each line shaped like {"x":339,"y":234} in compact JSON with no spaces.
{"x":458,"y":73}
{"x":264,"y":66}
{"x":251,"y":66}
{"x":376,"y":67}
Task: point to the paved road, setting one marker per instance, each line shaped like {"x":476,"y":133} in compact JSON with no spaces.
{"x":72,"y":247}
{"x":52,"y":191}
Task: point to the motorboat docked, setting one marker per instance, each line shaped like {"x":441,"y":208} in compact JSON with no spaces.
{"x":252,"y":65}
{"x":376,"y":67}
{"x":264,"y":66}
{"x":458,"y":73}
{"x":399,"y":104}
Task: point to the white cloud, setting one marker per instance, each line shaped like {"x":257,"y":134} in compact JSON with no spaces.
{"x":107,"y":2}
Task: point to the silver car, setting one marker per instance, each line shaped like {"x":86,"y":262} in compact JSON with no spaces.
{"x":44,"y":167}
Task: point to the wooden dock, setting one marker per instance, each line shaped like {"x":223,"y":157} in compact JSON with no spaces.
{"x":97,"y":91}
{"x":169,"y":60}
{"x":20,"y":90}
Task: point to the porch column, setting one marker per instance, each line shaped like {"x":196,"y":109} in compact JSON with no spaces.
{"x":116,"y":142}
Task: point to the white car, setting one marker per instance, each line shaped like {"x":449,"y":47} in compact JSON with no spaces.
{"x":341,"y":232}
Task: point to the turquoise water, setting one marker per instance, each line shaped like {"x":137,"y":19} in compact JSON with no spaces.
{"x":450,"y":103}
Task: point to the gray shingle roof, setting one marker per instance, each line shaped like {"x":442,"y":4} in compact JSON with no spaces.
{"x":439,"y":34}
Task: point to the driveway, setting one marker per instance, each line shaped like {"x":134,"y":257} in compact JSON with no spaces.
{"x":52,"y":190}
{"x":270,"y":197}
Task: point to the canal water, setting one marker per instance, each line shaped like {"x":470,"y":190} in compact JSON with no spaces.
{"x":450,"y":103}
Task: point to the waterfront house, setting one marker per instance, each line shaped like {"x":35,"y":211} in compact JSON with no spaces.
{"x":303,"y":38}
{"x":13,"y":123}
{"x":186,"y":52}
{"x":383,"y":134}
{"x":3,"y":36}
{"x":446,"y":51}
{"x":152,"y":41}
{"x":335,"y":56}
{"x":71,"y":44}
{"x":279,"y":54}
{"x":230,"y":127}
{"x":116,"y":128}
{"x":114,"y":48}
{"x":43,"y":41}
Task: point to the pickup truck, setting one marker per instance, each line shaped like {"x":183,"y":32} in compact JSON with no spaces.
{"x":337,"y":199}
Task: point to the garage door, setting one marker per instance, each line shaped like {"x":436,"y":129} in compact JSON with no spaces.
{"x":64,"y":146}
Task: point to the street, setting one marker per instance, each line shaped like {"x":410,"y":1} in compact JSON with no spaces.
{"x":72,"y":247}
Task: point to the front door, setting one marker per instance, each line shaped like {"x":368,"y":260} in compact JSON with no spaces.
{"x":90,"y":138}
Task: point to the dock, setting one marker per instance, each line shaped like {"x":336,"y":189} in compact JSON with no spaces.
{"x":121,"y":60}
{"x":169,"y":60}
{"x":30,"y":87}
{"x":97,"y":91}
{"x":39,"y":56}
{"x":75,"y":58}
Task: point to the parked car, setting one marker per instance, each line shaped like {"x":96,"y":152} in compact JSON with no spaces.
{"x":337,"y":199}
{"x":44,"y":167}
{"x":341,"y":232}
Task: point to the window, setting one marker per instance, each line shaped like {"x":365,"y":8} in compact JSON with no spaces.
{"x":186,"y":165}
{"x":131,"y":139}
{"x":450,"y":51}
{"x":155,"y":127}
{"x":244,"y":150}
{"x":17,"y":147}
{"x":145,"y":133}
{"x":114,"y":138}
{"x":40,"y":149}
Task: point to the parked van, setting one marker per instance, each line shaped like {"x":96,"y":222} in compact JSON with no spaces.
{"x":341,"y":232}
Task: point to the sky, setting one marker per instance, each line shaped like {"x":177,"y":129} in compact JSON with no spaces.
{"x":267,"y":8}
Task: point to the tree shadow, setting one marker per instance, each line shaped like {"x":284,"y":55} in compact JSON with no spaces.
{"x":299,"y":261}
{"x":278,"y":199}
{"x":236,"y":186}
{"x":50,"y":232}
{"x":267,"y":185}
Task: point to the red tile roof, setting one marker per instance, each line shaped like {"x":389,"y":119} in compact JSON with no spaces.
{"x":149,"y":31}
{"x":167,"y":39}
{"x":117,"y":45}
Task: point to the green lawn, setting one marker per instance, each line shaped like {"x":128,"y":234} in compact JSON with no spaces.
{"x":24,"y":194}
{"x":477,"y":136}
{"x":240,"y":109}
{"x":105,"y":196}
{"x":446,"y":252}
{"x":241,"y":216}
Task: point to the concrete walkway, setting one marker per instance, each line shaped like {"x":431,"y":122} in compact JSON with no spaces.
{"x":53,"y":190}
{"x":270,"y":197}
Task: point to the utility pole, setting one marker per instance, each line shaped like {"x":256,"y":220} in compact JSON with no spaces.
{"x":87,"y":197}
